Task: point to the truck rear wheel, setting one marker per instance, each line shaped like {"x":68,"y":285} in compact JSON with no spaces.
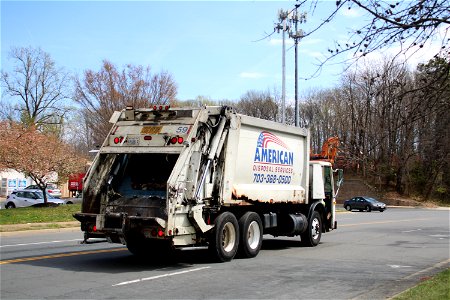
{"x":311,"y":237}
{"x":224,"y":241}
{"x":251,"y":234}
{"x":151,"y":249}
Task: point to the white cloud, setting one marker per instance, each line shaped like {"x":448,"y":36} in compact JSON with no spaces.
{"x":252,"y":75}
{"x":315,"y":54}
{"x":309,"y":41}
{"x":277,"y":42}
{"x":413,"y":55}
{"x":351,"y":13}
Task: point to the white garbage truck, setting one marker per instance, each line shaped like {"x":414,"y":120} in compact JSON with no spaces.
{"x":168,"y":178}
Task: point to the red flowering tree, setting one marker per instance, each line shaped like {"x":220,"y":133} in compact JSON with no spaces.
{"x":35,"y":154}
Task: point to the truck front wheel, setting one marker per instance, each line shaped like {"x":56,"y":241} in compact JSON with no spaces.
{"x":224,"y":240}
{"x":251,"y":233}
{"x":311,"y":237}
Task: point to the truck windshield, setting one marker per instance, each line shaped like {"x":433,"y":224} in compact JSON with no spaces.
{"x":143,"y":174}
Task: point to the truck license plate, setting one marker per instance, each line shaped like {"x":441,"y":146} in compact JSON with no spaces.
{"x":134,"y":141}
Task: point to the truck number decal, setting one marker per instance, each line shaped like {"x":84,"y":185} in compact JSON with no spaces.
{"x":268,"y":178}
{"x":182,"y":129}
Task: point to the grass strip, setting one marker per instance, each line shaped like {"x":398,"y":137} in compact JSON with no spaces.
{"x":436,"y":287}
{"x":24,"y":215}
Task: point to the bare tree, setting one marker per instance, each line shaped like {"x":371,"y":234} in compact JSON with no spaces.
{"x":259,"y":104}
{"x":78,"y":133}
{"x":39,"y":88}
{"x":407,"y":24}
{"x":431,"y":168}
{"x":101,"y":93}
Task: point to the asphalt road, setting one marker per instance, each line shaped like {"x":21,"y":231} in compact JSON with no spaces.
{"x":371,"y":256}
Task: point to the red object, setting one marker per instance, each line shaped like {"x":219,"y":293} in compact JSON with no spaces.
{"x":76,"y":182}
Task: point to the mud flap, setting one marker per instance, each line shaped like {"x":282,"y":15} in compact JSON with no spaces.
{"x":196,"y":214}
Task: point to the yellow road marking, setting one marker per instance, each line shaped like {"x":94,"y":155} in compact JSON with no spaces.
{"x":11,"y":261}
{"x":384,"y":222}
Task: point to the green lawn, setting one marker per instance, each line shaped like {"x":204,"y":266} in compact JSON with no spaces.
{"x":26,"y":215}
{"x":437,"y":287}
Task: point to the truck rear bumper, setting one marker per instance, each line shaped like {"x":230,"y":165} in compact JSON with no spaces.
{"x":116,"y":226}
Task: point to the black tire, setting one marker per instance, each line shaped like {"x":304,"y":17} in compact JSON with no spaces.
{"x":251,"y":234}
{"x":10,"y":205}
{"x":149,"y":248}
{"x":224,"y":239}
{"x":348,"y":207}
{"x":136,"y":246}
{"x":368,"y":209}
{"x":311,"y":237}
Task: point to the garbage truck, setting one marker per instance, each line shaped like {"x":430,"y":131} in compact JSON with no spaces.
{"x":167,"y":178}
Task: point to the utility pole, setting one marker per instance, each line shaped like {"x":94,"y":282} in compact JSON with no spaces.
{"x":284,"y":26}
{"x":285,"y":19}
{"x":297,"y":35}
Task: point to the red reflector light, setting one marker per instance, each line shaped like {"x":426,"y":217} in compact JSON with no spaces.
{"x":148,"y":137}
{"x":118,"y":140}
{"x":174,"y":140}
{"x":180,"y":140}
{"x":167,"y":107}
{"x":160,"y":107}
{"x":155,"y":107}
{"x":94,"y":229}
{"x":160,"y":233}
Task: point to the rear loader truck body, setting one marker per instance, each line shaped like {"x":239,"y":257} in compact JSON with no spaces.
{"x":168,"y":178}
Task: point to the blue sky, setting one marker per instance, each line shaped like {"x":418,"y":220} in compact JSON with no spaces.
{"x":210,"y":47}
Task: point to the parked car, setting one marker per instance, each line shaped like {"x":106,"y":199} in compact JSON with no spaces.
{"x":52,"y":189}
{"x":364,"y":203}
{"x":77,"y":199}
{"x":29,"y":197}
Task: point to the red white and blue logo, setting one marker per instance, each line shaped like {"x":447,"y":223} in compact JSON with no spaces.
{"x":270,"y":149}
{"x":266,"y":137}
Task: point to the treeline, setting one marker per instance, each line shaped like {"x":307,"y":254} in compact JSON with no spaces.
{"x":393,"y":123}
